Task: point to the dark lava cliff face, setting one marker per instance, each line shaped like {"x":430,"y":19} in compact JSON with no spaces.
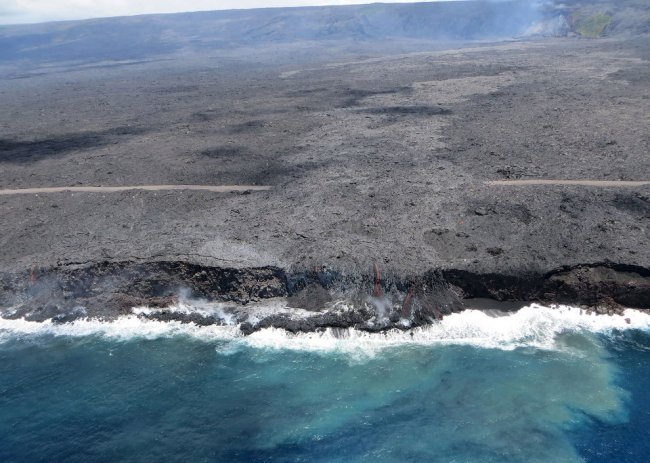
{"x":310,"y":300}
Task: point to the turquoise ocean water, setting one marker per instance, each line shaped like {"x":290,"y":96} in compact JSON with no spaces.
{"x":538,"y":386}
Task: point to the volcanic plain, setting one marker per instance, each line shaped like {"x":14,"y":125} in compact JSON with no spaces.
{"x":387,"y":160}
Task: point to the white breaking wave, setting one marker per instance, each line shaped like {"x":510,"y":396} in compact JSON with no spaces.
{"x":533,"y":326}
{"x":226,"y":313}
{"x":125,"y":328}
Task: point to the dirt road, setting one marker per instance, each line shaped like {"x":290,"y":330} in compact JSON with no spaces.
{"x":596,"y":183}
{"x":115,"y":189}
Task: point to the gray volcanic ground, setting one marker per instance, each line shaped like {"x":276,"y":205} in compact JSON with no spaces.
{"x":372,"y":156}
{"x":378,"y":160}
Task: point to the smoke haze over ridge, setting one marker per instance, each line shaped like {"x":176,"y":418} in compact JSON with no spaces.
{"x":32,"y":11}
{"x":157,"y":35}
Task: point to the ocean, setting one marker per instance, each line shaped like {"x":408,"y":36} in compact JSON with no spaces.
{"x":539,"y":385}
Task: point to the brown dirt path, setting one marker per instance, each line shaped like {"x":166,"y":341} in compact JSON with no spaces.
{"x":596,"y":183}
{"x":115,"y":189}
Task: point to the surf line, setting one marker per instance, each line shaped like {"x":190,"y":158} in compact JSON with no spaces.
{"x":116,"y":189}
{"x":595,"y":183}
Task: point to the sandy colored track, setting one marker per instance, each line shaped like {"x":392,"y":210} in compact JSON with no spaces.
{"x":599,"y":183}
{"x":115,"y":189}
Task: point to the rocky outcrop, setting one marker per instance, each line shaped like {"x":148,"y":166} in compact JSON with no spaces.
{"x":109,"y":289}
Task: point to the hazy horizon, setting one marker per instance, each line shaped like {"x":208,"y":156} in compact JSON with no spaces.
{"x":37,"y":11}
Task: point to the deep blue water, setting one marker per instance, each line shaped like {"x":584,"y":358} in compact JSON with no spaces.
{"x":89,"y":398}
{"x":628,"y":441}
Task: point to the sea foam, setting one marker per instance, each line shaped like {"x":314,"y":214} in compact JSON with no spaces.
{"x":533,"y":326}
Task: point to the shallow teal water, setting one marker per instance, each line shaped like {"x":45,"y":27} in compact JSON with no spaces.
{"x":181,"y":399}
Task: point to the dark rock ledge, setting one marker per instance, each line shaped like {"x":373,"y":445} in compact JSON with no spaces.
{"x":373,"y":303}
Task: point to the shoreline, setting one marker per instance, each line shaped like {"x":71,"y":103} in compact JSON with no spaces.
{"x":533,"y":326}
{"x":323,"y":298}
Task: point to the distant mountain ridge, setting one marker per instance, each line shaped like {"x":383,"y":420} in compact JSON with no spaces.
{"x":150,"y":35}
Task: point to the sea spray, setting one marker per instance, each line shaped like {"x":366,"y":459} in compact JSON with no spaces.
{"x":532,"y":326}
